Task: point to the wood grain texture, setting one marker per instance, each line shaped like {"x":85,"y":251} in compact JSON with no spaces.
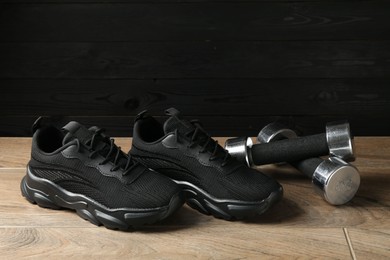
{"x":372,"y":243}
{"x":187,"y":243}
{"x":301,"y":207}
{"x":191,"y":60}
{"x":14,"y":152}
{"x":187,"y":234}
{"x":370,"y":207}
{"x":248,"y":97}
{"x":216,"y":125}
{"x":229,"y":20}
{"x":250,"y":61}
{"x":301,"y":225}
{"x":227,"y":107}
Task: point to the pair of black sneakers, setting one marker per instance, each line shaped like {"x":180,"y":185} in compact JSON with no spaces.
{"x":82,"y":169}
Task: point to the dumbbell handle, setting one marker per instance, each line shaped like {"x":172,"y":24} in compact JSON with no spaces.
{"x":290,"y":150}
{"x":308,"y":166}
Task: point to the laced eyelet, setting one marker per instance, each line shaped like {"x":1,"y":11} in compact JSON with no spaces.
{"x":114,"y":154}
{"x":206,"y":143}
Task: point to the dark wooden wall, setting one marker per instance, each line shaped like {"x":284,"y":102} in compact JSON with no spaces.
{"x":234,"y":64}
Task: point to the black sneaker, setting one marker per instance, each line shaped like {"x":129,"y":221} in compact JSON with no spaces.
{"x":82,"y":169}
{"x":213,"y":181}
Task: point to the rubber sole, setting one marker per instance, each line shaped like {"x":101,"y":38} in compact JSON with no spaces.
{"x":205,"y":203}
{"x":50,"y":195}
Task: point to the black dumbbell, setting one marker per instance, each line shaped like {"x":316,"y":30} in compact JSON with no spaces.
{"x":334,"y":179}
{"x":336,"y":141}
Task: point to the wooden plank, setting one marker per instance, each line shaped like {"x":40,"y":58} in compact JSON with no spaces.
{"x":230,"y":241}
{"x":172,"y":60}
{"x":239,"y":106}
{"x":196,"y":21}
{"x":63,"y":232}
{"x":370,"y":244}
{"x":290,"y":223}
{"x":14,"y":152}
{"x":300,"y":206}
{"x":301,"y":218}
{"x":375,"y":125}
{"x":369,"y":209}
{"x":249,"y":97}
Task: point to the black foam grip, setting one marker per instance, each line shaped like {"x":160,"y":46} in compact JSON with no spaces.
{"x":290,"y":150}
{"x":307,"y":166}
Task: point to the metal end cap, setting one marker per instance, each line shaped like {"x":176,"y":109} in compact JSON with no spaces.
{"x":273,"y":132}
{"x":239,"y":148}
{"x":340,"y":142}
{"x":336,"y":180}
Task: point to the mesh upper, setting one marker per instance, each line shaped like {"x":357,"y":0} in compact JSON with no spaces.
{"x":234,"y":181}
{"x":148,"y":190}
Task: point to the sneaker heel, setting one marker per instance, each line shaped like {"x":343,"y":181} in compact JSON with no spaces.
{"x":36,"y":197}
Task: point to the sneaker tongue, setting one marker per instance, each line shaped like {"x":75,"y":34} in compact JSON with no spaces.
{"x":176,"y":122}
{"x":75,"y":130}
{"x":184,"y":126}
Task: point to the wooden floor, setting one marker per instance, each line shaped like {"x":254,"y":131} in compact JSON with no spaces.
{"x":302,"y":225}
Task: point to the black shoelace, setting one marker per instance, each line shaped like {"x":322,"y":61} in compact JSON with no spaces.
{"x":114,"y":153}
{"x":199,"y":136}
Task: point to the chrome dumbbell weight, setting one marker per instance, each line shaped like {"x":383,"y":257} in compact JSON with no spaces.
{"x":334,"y":179}
{"x":336,"y":141}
